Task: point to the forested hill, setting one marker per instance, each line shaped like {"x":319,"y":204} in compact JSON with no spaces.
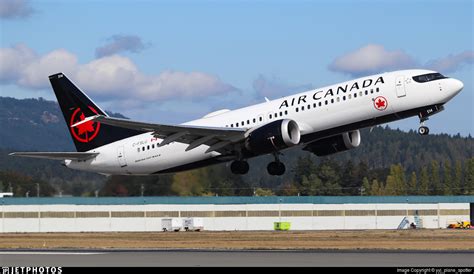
{"x":38,"y":125}
{"x":34,"y":124}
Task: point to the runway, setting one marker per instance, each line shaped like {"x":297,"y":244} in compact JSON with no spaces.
{"x":234,"y":258}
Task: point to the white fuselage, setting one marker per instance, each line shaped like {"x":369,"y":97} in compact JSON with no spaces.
{"x":315,"y":111}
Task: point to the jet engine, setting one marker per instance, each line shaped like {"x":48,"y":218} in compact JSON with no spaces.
{"x":334,"y":144}
{"x":273,"y":136}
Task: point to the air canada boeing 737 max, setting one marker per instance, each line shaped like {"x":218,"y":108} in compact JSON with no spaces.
{"x":323,"y":121}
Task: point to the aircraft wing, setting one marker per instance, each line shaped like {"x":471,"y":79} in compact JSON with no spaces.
{"x":217,"y":138}
{"x":56,"y":155}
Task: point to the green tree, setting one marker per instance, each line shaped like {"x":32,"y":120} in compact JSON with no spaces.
{"x":413,"y":185}
{"x":311,"y":186}
{"x":435,"y":185}
{"x":395,"y":183}
{"x":365,"y":186}
{"x":264,"y":192}
{"x":288,"y":188}
{"x":190,"y":183}
{"x":457,"y":179}
{"x":424,"y":182}
{"x":328,"y":175}
{"x":447,"y":180}
{"x":304,"y":167}
{"x":376,"y":189}
{"x":469,"y":177}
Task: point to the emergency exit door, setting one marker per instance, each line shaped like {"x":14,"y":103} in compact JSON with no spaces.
{"x":400,"y":86}
{"x":121,"y":157}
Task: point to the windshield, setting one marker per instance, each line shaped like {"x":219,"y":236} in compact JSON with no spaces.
{"x":428,"y":77}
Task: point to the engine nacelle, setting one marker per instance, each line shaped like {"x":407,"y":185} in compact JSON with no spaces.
{"x":273,"y":136}
{"x":334,"y":144}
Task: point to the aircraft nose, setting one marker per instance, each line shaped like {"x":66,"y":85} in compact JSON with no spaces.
{"x":457,"y":85}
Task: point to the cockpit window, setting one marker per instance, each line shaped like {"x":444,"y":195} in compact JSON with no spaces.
{"x":428,"y":77}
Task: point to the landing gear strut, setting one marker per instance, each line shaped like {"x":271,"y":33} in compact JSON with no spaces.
{"x":239,"y":167}
{"x":276,"y":167}
{"x":423,"y":130}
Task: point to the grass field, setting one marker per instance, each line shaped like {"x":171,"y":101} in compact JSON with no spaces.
{"x":364,"y":239}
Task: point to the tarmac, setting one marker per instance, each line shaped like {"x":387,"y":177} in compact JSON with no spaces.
{"x":205,"y":258}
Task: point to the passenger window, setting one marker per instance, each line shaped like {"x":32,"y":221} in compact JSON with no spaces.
{"x":309,"y":106}
{"x":355,"y":95}
{"x":261,"y":119}
{"x":281,"y":113}
{"x":270,"y":116}
{"x":248,"y":122}
{"x":377,"y":89}
{"x":366,"y":92}
{"x":338,"y":99}
{"x":231,"y":125}
{"x":296,"y":109}
{"x":343,"y":98}
{"x":314,"y":105}
{"x":360,"y":93}
{"x":286,"y":112}
{"x":332,"y":101}
{"x":349,"y":96}
{"x":138,"y":150}
{"x":143,"y":148}
{"x":153,"y":146}
{"x":326,"y":102}
{"x":302,"y":108}
{"x":320,"y":103}
{"x":243,"y":123}
{"x":371,"y":91}
{"x":147,"y":147}
{"x":254,"y":120}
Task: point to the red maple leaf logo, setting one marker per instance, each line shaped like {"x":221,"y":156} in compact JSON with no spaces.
{"x":85,"y":127}
{"x":87,"y":131}
{"x":380,"y":103}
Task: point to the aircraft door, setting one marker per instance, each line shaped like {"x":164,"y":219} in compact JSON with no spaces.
{"x":400,"y":86}
{"x":121,"y":157}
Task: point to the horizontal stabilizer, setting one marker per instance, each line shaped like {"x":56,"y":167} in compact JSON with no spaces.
{"x":57,"y":155}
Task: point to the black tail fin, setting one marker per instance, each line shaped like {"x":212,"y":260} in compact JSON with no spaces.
{"x":76,"y":106}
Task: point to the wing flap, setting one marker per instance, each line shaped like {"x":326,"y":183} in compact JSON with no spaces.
{"x":56,"y":155}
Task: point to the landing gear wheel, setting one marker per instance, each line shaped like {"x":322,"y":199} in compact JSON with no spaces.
{"x":239,"y":167}
{"x":276,"y":168}
{"x":423,"y":130}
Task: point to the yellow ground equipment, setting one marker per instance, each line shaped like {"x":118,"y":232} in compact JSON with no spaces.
{"x":460,"y":225}
{"x":281,"y":225}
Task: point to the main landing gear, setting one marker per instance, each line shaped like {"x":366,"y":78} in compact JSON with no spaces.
{"x":239,"y":167}
{"x":276,"y":167}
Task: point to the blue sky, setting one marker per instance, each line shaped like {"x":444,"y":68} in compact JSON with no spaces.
{"x":173,"y":61}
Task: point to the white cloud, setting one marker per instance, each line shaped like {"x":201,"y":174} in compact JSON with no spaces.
{"x":33,"y":74}
{"x":10,"y":9}
{"x":275,"y":88}
{"x":109,"y":76}
{"x":121,"y":43}
{"x":371,"y":59}
{"x":13,"y":61}
{"x":452,"y":62}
